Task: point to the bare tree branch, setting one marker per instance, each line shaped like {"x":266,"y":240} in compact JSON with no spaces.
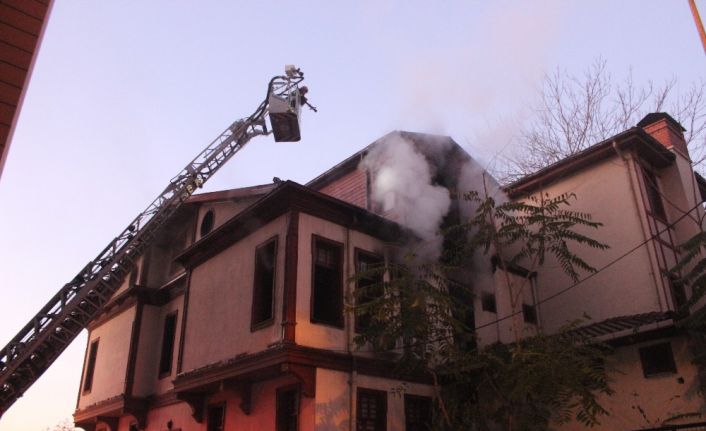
{"x":575,"y":112}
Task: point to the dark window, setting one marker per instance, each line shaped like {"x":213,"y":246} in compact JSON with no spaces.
{"x":417,"y":413}
{"x":288,"y":409}
{"x":216,"y":417}
{"x":653,"y":194}
{"x":529,"y":312}
{"x":207,"y":223}
{"x":372,"y":410}
{"x":678,"y":292}
{"x":657,"y":359}
{"x":369,"y":285}
{"x":488,"y":302}
{"x":168,"y":337}
{"x":264,"y":284}
{"x":327,"y":288}
{"x":90,"y":367}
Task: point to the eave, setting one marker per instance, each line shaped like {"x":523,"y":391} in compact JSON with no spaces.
{"x":290,"y":196}
{"x":109,"y":412}
{"x":281,"y":359}
{"x":634,"y":139}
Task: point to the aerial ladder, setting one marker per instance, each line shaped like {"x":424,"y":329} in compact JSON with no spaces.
{"x":42,"y":340}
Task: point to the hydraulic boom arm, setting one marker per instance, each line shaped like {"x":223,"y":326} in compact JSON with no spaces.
{"x":43,"y":339}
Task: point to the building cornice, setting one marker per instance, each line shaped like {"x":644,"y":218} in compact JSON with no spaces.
{"x":634,"y":139}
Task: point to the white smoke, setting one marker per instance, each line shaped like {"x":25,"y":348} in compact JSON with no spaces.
{"x":402,"y":189}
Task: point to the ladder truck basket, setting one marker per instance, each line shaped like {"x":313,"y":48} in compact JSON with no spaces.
{"x":285,"y":109}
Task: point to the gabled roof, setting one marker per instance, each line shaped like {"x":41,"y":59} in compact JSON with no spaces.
{"x":231,"y":194}
{"x":290,"y":196}
{"x":634,"y":138}
{"x":453,"y":154}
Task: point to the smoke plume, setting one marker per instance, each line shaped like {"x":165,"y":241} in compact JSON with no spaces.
{"x":403,"y":190}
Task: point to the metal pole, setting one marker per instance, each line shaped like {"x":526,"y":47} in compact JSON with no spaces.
{"x":699,"y":24}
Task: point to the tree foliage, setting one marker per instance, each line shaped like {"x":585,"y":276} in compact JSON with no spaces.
{"x":417,"y":313}
{"x":575,"y":112}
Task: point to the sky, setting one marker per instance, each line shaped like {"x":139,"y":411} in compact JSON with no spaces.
{"x":125,"y":93}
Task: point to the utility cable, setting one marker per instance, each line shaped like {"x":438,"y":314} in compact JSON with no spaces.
{"x":560,"y":292}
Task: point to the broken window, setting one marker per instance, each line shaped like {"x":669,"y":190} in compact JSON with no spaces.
{"x":90,"y":367}
{"x":168,"y":338}
{"x":207,"y":223}
{"x":327,"y":283}
{"x":264,"y":284}
{"x":417,"y":413}
{"x":488,"y":302}
{"x":215,"y":419}
{"x":287,"y":409}
{"x":529,"y":313}
{"x":369,"y":285}
{"x":654,"y":197}
{"x":657,"y":359}
{"x":372,"y":410}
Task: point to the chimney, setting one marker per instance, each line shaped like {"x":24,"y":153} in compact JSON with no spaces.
{"x":666,"y":130}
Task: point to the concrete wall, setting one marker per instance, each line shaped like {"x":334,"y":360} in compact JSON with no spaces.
{"x":262,"y":417}
{"x":512,"y":291}
{"x":220,"y":301}
{"x":631,"y":286}
{"x":334,"y":403}
{"x":321,"y":335}
{"x":147,"y":378}
{"x":111,"y":359}
{"x":646,"y":402}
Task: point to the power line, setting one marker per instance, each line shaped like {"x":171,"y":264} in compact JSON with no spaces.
{"x":564,"y":290}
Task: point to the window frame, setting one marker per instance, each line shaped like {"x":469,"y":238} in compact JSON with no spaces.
{"x":211,"y":223}
{"x":416,"y":398}
{"x":672,"y":365}
{"x":90,"y":369}
{"x":209,"y":407}
{"x":358,"y":253}
{"x":655,"y":203}
{"x":296,"y":388}
{"x":254,"y":326}
{"x":381,"y":424}
{"x":340,"y":322}
{"x":531,"y":316}
{"x":484,"y":297}
{"x":165,"y":373}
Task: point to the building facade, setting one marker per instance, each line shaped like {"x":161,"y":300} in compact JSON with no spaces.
{"x":237,"y":317}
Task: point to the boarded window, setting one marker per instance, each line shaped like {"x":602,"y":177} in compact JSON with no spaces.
{"x":488,"y":302}
{"x":417,"y":413}
{"x":657,"y":359}
{"x":288,"y":409}
{"x":529,"y":312}
{"x":654,"y":197}
{"x":264,"y":284}
{"x":90,"y":367}
{"x":327,"y":283}
{"x":369,"y":285}
{"x":372,"y":410}
{"x":168,"y":338}
{"x":215,"y":421}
